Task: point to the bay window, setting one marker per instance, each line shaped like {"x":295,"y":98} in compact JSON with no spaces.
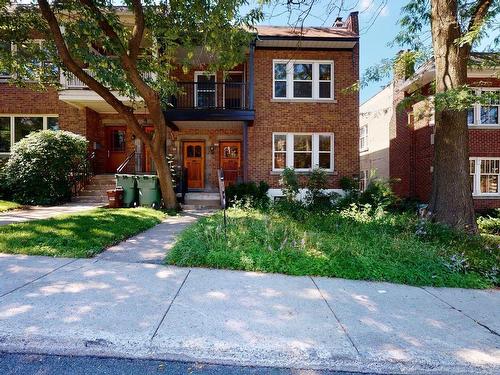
{"x":485,"y":176}
{"x":15,"y":127}
{"x":297,"y":79}
{"x":303,"y":151}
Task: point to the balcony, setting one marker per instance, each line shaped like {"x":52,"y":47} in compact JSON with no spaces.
{"x":70,"y":82}
{"x":210,"y":101}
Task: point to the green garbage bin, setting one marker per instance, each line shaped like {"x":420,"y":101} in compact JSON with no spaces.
{"x":129,"y":185}
{"x":149,"y":190}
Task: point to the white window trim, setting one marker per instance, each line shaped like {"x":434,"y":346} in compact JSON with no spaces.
{"x":476,"y":191}
{"x":203,"y":73}
{"x":315,"y":151}
{"x":12,"y":125}
{"x":477,"y":110}
{"x":364,"y":180}
{"x":365,"y":137}
{"x":315,"y":80}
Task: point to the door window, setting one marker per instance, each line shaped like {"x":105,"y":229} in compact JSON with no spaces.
{"x":205,"y":91}
{"x":117,"y":140}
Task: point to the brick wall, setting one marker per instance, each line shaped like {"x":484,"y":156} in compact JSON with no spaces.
{"x":15,"y":100}
{"x":411,"y":151}
{"x":340,"y":118}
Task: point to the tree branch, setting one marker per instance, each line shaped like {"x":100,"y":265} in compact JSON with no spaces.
{"x":134,"y":43}
{"x":86,"y":78}
{"x":479,"y":14}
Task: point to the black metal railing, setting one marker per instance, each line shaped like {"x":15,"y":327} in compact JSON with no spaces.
{"x":222,"y":188}
{"x":82,"y":174}
{"x":127,"y":166}
{"x":210,"y":95}
{"x":181,"y":183}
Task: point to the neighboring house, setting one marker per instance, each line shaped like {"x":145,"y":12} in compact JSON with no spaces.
{"x":408,"y":133}
{"x":284,"y":106}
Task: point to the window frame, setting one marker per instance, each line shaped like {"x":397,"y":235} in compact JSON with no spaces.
{"x":12,"y":119}
{"x":476,"y":191}
{"x":363,"y":137}
{"x":315,"y":80}
{"x":477,"y":110}
{"x":289,"y":153}
{"x":204,"y":73}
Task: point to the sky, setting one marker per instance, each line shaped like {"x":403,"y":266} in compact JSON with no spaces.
{"x":378,"y":27}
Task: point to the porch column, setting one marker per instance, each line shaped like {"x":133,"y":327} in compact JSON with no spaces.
{"x":251,"y":75}
{"x":245,"y":152}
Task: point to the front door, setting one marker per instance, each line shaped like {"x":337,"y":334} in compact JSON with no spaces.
{"x":230,"y":161}
{"x":194,"y":162}
{"x":116,"y":138}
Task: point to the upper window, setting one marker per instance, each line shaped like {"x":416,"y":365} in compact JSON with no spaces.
{"x":303,"y":151}
{"x":303,"y":79}
{"x":363,"y":138}
{"x":485,"y":114}
{"x":14,"y":128}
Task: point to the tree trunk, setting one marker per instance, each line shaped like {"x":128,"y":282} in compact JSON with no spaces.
{"x":451,"y":199}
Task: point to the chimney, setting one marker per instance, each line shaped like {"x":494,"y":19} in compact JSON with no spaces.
{"x":338,"y":22}
{"x":352,"y":22}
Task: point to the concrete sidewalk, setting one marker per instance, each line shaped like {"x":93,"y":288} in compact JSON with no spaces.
{"x":151,"y":246}
{"x":41,"y":212}
{"x":98,"y":307}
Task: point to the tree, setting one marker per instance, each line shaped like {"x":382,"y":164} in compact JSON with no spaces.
{"x":446,"y":31}
{"x":122,"y":46}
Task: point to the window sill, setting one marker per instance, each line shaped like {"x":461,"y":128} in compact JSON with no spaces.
{"x":364,"y":150}
{"x":486,"y":196}
{"x":289,"y":100}
{"x":483,"y":126}
{"x":278,"y":173}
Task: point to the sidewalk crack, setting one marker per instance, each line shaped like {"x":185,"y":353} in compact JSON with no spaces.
{"x":38,"y":278}
{"x":493,"y":332}
{"x":336,"y":317}
{"x":169,"y":306}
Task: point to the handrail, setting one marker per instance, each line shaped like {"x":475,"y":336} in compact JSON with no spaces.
{"x":222,"y":188}
{"x":122,"y":166}
{"x":82,"y":173}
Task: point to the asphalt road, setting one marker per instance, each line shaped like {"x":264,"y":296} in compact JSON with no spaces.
{"x":35,"y":364}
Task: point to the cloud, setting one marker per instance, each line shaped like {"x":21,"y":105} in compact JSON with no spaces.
{"x":370,"y":7}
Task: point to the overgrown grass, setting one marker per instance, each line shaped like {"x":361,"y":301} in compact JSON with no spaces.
{"x":7,"y":206}
{"x":351,"y":244}
{"x":79,"y":235}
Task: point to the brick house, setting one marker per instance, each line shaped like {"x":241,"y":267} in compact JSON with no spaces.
{"x":398,"y":143}
{"x":284,"y":106}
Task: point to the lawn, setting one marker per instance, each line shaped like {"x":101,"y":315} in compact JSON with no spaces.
{"x":351,"y":244}
{"x":79,"y":235}
{"x":7,"y":206}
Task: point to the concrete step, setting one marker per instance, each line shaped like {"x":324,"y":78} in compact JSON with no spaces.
{"x":92,"y":193}
{"x":195,"y":207}
{"x":203,"y":196}
{"x":202,"y":203}
{"x":81,"y":199}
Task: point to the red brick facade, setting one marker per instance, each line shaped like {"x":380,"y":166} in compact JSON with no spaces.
{"x":412,"y":149}
{"x":338,"y":116}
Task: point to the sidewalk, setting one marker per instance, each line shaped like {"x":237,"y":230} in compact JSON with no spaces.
{"x":152,"y":245}
{"x":41,"y":212}
{"x":98,"y":307}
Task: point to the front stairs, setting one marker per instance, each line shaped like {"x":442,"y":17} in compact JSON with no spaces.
{"x":197,"y":201}
{"x":95,"y":191}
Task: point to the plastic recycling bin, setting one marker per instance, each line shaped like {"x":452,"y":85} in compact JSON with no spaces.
{"x":129,"y":184}
{"x":149,"y":190}
{"x":115,"y":198}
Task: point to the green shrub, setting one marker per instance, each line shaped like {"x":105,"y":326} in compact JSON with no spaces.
{"x":378,"y":193}
{"x":289,"y":183}
{"x":316,"y":198}
{"x":41,"y":165}
{"x":489,"y":225}
{"x":248,"y":194}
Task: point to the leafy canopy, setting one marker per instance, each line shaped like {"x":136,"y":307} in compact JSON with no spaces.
{"x":177,"y":32}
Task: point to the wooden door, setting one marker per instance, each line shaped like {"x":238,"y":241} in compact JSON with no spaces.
{"x":194,"y":161}
{"x":230,"y":161}
{"x":116,"y":141}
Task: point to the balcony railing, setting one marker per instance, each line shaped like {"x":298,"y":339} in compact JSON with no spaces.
{"x":210,"y":95}
{"x":70,"y":81}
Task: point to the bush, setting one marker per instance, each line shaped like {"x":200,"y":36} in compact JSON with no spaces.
{"x":248,"y":194}
{"x":378,"y":193}
{"x":289,"y":183}
{"x":489,"y":225}
{"x":316,"y":198}
{"x":40,"y":167}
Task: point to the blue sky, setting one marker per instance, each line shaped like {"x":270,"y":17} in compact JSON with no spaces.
{"x":378,"y":28}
